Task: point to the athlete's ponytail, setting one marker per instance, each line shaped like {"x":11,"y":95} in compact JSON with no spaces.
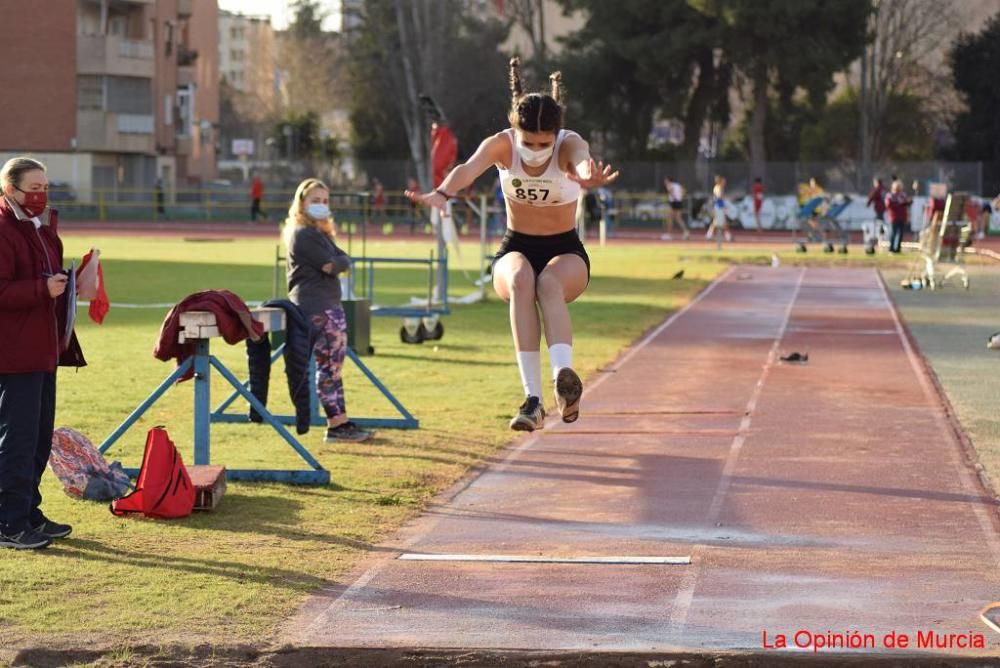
{"x":556,"y":80}
{"x":515,"y":80}
{"x":534,"y":112}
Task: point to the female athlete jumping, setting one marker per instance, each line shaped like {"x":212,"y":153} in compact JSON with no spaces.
{"x":541,"y":263}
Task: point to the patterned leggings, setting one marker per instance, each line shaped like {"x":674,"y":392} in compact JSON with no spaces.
{"x":330,"y":350}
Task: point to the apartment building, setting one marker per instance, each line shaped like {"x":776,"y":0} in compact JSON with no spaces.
{"x":248,"y":67}
{"x":117,"y":93}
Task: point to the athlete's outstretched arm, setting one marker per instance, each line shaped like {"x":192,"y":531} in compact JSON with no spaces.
{"x":582,"y":168}
{"x":491,"y":151}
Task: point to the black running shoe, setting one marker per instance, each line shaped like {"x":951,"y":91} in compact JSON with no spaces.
{"x":349,"y":431}
{"x":25,"y":540}
{"x":569,"y":389}
{"x":530,"y":416}
{"x":51,"y":529}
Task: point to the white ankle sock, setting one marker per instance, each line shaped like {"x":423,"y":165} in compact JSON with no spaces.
{"x":560,"y":356}
{"x":529,"y":363}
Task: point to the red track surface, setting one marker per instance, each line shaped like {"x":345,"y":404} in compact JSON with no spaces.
{"x":831,"y":496}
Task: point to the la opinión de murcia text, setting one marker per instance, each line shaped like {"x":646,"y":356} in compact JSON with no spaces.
{"x":850,"y":640}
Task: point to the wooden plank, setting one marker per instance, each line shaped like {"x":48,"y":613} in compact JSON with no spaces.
{"x":273,"y":319}
{"x":209,"y":485}
{"x":202,"y":324}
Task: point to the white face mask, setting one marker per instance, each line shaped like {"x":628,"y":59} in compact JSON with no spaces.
{"x":318,"y":211}
{"x":534,"y":158}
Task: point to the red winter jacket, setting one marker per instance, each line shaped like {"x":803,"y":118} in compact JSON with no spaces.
{"x":30,"y":320}
{"x":232,"y":316}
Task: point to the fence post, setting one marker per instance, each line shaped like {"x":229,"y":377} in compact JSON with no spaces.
{"x":207,"y":196}
{"x":101,"y":208}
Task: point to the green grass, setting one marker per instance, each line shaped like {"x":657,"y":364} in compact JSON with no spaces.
{"x":951,"y":327}
{"x":231,"y":576}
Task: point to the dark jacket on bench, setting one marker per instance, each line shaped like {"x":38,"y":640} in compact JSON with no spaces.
{"x":300,"y":336}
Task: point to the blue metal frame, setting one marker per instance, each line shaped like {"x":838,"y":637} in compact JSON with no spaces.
{"x":407,"y":421}
{"x":202,"y":362}
{"x":406,"y":311}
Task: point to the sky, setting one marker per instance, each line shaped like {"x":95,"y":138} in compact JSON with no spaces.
{"x":279,"y":11}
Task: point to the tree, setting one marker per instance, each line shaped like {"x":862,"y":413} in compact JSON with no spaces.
{"x":634,"y":60}
{"x":529,"y":15}
{"x":833,"y":136}
{"x":311,"y":61}
{"x":785,"y":45}
{"x":435,"y":47}
{"x":975,"y":61}
{"x":894,"y":63}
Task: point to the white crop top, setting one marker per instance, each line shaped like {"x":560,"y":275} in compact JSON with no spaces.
{"x":551,"y":188}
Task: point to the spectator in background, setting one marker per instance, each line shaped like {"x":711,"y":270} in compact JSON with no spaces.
{"x":675,"y":214}
{"x":719,"y":220}
{"x":160,"y":210}
{"x":32,"y":345}
{"x":897,"y":204}
{"x":934,"y":211}
{"x":757,"y":192}
{"x":378,"y":201}
{"x":256,"y":195}
{"x":876,"y":200}
{"x":314,"y":265}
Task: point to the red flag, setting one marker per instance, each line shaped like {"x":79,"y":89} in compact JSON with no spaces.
{"x":90,"y":285}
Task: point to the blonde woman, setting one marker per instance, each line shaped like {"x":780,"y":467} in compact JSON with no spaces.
{"x":313,"y":268}
{"x":719,"y":220}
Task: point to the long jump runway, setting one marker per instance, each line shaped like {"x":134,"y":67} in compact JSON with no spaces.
{"x":827,"y":497}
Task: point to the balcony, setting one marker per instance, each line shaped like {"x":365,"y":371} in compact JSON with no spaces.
{"x":110,"y":55}
{"x":117,"y":133}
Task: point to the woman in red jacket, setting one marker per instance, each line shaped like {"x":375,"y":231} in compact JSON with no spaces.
{"x":31,"y":346}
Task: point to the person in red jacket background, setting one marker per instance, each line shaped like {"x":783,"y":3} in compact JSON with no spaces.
{"x":897,"y":205}
{"x":32,"y":345}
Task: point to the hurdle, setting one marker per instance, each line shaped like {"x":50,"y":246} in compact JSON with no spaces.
{"x":200,"y":327}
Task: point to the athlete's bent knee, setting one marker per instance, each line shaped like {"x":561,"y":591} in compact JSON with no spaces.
{"x":549,"y":286}
{"x":521,"y":281}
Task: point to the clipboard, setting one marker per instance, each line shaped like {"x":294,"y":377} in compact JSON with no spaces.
{"x":70,"y":293}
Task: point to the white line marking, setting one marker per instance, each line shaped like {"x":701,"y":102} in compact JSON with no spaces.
{"x":685,"y":593}
{"x":834,"y":332}
{"x":512,"y":455}
{"x":528,"y":559}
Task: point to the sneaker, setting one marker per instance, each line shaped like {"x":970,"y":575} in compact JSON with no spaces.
{"x":349,"y":431}
{"x":51,"y":529}
{"x":569,"y":389}
{"x":25,"y":540}
{"x":729,"y":236}
{"x":687,"y":235}
{"x":530,"y":416}
{"x":665,"y":237}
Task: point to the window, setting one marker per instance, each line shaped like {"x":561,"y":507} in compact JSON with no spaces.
{"x":90,"y":92}
{"x":168,"y":109}
{"x":129,"y":95}
{"x":168,"y":37}
{"x":117,"y":26}
{"x":185,"y":103}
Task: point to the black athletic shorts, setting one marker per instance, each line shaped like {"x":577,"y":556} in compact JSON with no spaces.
{"x":677,"y":206}
{"x":540,"y":249}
